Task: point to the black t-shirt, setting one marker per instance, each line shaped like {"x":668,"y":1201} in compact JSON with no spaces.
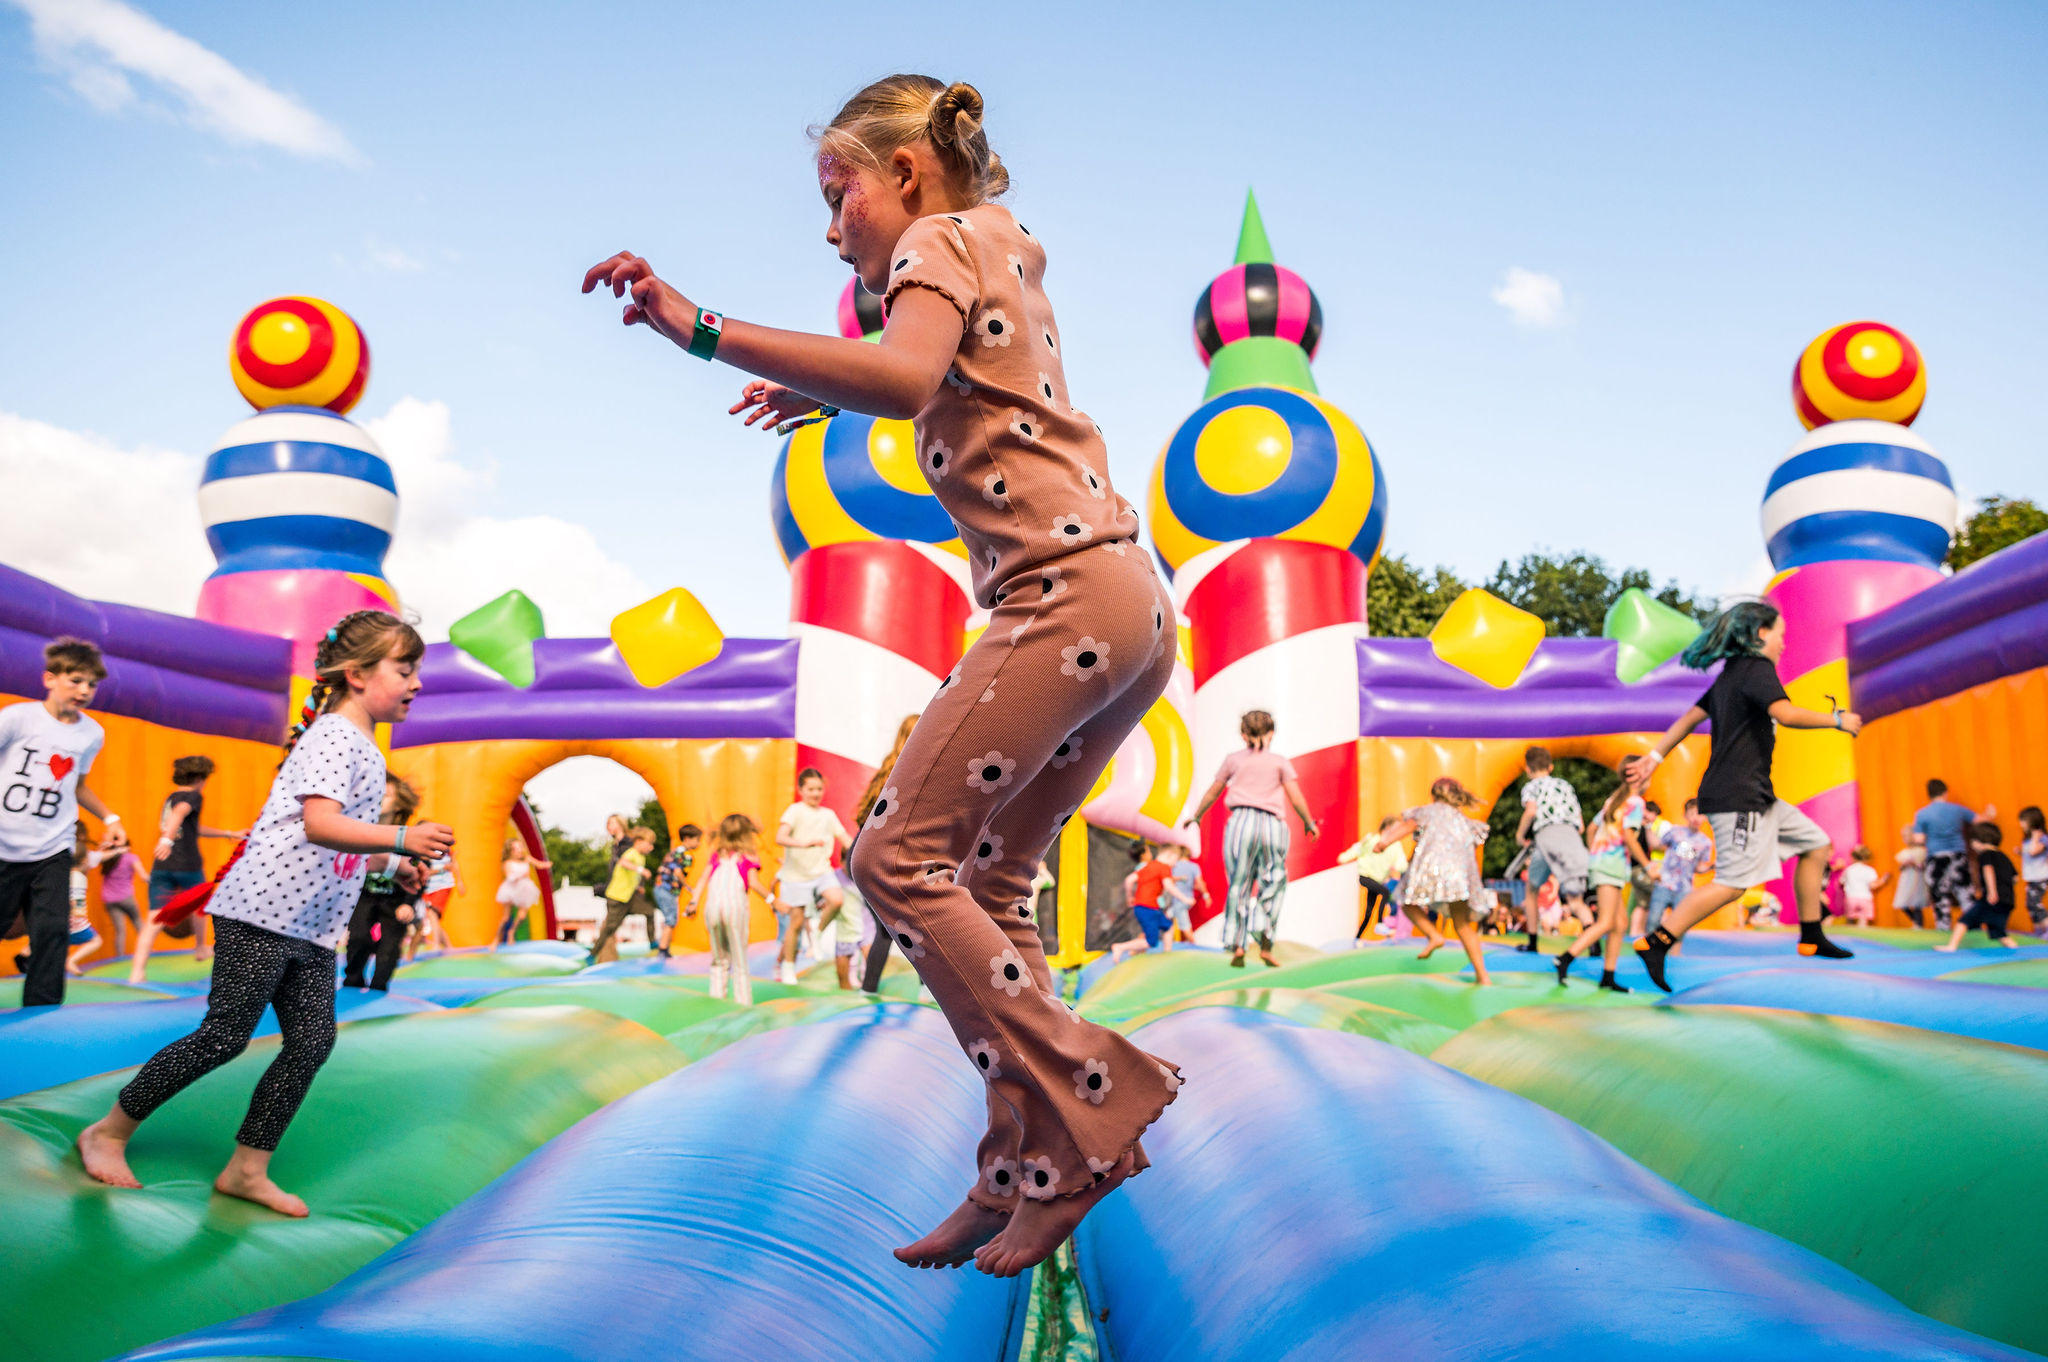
{"x":1738,"y":704}
{"x":1997,"y":868}
{"x":185,"y":846}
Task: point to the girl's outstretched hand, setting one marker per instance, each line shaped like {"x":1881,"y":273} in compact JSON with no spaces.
{"x":653,"y":304}
{"x":772,"y":403}
{"x":431,"y":840}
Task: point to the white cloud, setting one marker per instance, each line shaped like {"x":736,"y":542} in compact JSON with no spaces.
{"x":1532,"y":298}
{"x":396,"y":259}
{"x":99,"y":44}
{"x":446,"y":559}
{"x":118,"y":524}
{"x":100,"y":521}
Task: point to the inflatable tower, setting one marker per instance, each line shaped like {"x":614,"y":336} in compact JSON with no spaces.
{"x":1268,"y":508}
{"x":1857,"y":517}
{"x":298,"y":502}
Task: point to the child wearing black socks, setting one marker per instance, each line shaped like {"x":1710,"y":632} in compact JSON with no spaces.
{"x":1754,"y":830}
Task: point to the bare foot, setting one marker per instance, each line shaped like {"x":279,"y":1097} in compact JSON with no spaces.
{"x":1432,"y":948}
{"x":1237,"y":959}
{"x":259,"y":1189}
{"x":956,"y":1238}
{"x":1946,"y":950}
{"x":105,"y":1156}
{"x":1039,"y":1227}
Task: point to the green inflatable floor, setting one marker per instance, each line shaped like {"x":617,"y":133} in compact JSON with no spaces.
{"x":411,"y":1115}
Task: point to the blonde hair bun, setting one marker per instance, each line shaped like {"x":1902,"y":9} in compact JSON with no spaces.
{"x":898,"y":111}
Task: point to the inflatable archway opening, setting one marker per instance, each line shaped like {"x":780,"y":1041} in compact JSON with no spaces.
{"x":1396,"y":773}
{"x":472,"y":787}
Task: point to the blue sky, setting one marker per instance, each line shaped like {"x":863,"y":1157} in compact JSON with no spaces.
{"x":1710,"y":185}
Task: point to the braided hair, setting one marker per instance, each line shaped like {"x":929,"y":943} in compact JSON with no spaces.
{"x":360,"y":640}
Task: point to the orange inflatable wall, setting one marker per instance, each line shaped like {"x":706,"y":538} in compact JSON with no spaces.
{"x":471,"y":787}
{"x":133,"y":776}
{"x":1990,"y":743}
{"x":1396,"y":773}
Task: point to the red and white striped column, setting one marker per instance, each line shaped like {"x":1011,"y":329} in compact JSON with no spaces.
{"x":1275,"y":625}
{"x":879,"y":625}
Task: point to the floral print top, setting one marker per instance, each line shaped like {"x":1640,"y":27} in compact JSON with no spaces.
{"x":1022,"y":471}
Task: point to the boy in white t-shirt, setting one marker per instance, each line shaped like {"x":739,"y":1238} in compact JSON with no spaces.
{"x":805,"y":887}
{"x":45,"y":751}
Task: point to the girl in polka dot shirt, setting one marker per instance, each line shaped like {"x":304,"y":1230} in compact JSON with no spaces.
{"x":1077,"y":647}
{"x":283,"y":905}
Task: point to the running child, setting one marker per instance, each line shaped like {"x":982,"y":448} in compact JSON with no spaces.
{"x":1155,"y":920}
{"x":1612,"y":844}
{"x":442,"y":880}
{"x":1555,"y":825}
{"x":733,"y":869}
{"x":283,"y":906}
{"x":1444,"y":876}
{"x":179,"y":865}
{"x":626,"y":893}
{"x":1754,"y":830}
{"x":1688,"y":851}
{"x":1256,"y":784}
{"x":121,"y":876}
{"x":672,"y":881}
{"x":1992,"y":902}
{"x":46,"y":749}
{"x":1378,"y":866}
{"x":805,"y":887}
{"x":1077,"y":648}
{"x":1860,"y":883}
{"x":1910,"y":897}
{"x":388,"y":904}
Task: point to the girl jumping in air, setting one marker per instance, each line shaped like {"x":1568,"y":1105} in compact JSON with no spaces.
{"x":517,"y":891}
{"x":284,"y":906}
{"x":1253,"y":783}
{"x":1077,"y":648}
{"x":1444,"y":876}
{"x":1754,"y":830}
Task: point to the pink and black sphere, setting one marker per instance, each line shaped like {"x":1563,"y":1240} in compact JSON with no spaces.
{"x":1257,"y":300}
{"x":860,"y":312}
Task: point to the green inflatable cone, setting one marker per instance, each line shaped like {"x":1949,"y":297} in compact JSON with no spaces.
{"x":1650,"y":633}
{"x":501,"y":635}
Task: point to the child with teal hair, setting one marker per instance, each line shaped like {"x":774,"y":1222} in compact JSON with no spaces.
{"x":1754,"y":830}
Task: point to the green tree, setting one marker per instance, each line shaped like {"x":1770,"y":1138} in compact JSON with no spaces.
{"x":1404,"y":601}
{"x":1571,"y":592}
{"x":589,"y":861}
{"x":1592,"y":783}
{"x":1997,"y":523}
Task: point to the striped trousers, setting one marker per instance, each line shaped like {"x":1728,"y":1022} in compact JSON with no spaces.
{"x":1255,"y":859}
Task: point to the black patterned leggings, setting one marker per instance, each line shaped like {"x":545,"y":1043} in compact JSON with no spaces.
{"x":252,"y":968}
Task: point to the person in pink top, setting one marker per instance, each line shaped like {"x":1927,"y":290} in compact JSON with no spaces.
{"x":1256,"y":784}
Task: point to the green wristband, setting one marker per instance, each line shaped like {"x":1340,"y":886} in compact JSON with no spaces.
{"x":704,"y":335}
{"x":399,"y":844}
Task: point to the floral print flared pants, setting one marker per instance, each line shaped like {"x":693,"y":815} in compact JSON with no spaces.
{"x":1074,"y":654}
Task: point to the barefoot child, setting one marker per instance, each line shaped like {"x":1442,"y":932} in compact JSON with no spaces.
{"x":1444,"y":876}
{"x":1611,"y":844}
{"x":45,"y":751}
{"x":1077,"y":648}
{"x":626,"y":893}
{"x":281,"y":909}
{"x":1754,"y":830}
{"x":805,"y":887}
{"x":1253,"y":783}
{"x":733,"y":870}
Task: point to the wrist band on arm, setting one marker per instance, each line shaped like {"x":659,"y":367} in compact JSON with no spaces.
{"x":399,"y":845}
{"x":1654,"y":757}
{"x":705,"y":334}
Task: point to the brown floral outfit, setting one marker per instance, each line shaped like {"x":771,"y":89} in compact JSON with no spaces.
{"x":1079,"y":644}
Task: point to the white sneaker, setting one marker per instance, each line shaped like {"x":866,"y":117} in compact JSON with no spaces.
{"x":786,"y":973}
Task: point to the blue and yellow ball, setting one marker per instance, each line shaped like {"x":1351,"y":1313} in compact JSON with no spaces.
{"x":1268,"y":463}
{"x":854,"y":479}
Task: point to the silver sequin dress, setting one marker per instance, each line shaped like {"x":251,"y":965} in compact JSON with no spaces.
{"x":1445,"y":868}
